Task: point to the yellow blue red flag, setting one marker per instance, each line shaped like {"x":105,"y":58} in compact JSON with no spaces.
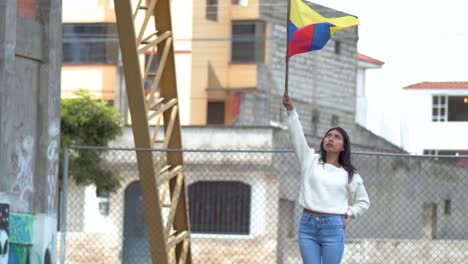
{"x":308,"y":30}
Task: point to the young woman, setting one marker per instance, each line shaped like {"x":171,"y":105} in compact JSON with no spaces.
{"x":331,"y":191}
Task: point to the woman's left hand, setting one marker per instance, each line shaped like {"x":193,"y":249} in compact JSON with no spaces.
{"x":345,"y":220}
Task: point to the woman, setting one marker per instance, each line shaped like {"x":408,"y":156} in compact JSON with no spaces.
{"x":331,"y":191}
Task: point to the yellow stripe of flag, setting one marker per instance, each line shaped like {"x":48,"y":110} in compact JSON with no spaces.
{"x":302,"y":15}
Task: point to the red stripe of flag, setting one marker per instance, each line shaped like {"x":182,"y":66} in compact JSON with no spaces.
{"x":302,"y":40}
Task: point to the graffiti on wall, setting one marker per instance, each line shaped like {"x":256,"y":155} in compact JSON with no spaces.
{"x":4,"y":231}
{"x":22,"y":167}
{"x":52,"y":165}
{"x":32,"y":238}
{"x":21,"y":234}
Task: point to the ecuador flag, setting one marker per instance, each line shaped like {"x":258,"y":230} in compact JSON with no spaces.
{"x":308,"y":30}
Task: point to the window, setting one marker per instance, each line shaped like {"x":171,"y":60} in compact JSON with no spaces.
{"x":90,"y":43}
{"x":447,"y":207}
{"x":315,"y":121}
{"x":152,"y":70}
{"x":240,"y":2}
{"x":334,"y":120}
{"x":248,"y":41}
{"x":212,"y":10}
{"x":219,"y":207}
{"x":449,"y":108}
{"x":215,"y":113}
{"x":458,"y":108}
{"x":103,"y":198}
{"x":439,"y":108}
{"x":459,"y":160}
{"x":337,"y":47}
{"x":430,"y":152}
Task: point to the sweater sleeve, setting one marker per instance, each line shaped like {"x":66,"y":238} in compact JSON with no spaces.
{"x":302,"y":150}
{"x":359,"y":200}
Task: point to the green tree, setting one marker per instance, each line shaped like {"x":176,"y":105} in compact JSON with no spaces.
{"x":89,"y":122}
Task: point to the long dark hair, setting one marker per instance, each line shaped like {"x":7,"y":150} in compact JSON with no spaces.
{"x":345,"y":156}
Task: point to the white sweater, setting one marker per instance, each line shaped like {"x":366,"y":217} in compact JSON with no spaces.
{"x":325,"y":187}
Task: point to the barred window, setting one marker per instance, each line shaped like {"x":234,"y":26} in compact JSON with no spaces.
{"x":439,"y":108}
{"x":219,"y":207}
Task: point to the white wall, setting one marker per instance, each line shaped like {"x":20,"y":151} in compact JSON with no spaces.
{"x":183,"y":75}
{"x":94,"y":221}
{"x":421,"y":133}
{"x":182,"y":16}
{"x":361,"y":100}
{"x":404,"y":118}
{"x":381,"y":114}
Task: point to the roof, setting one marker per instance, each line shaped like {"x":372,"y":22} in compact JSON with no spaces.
{"x":437,"y":85}
{"x":365,"y":58}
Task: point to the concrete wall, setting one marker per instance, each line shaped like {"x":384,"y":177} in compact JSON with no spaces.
{"x":30,"y":59}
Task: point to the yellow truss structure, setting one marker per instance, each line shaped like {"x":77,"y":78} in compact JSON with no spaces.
{"x":161,"y":176}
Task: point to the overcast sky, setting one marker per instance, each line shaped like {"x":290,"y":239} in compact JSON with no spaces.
{"x":418,"y":40}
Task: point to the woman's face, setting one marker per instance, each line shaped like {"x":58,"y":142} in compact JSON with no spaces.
{"x":333,"y":142}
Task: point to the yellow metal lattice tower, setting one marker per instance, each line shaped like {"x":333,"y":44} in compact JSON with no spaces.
{"x":161,"y":177}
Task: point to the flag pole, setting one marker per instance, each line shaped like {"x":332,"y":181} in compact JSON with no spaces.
{"x":287,"y":50}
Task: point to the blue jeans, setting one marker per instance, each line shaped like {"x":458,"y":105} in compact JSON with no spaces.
{"x":321,"y":238}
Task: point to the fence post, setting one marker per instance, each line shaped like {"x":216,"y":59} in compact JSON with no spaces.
{"x":63,"y":206}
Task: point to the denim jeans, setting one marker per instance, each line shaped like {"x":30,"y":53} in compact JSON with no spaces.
{"x":321,"y":238}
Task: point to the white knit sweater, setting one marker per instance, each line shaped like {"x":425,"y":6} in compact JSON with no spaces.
{"x":325,"y":187}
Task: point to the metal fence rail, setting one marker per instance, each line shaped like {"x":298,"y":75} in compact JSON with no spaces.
{"x":243,"y":209}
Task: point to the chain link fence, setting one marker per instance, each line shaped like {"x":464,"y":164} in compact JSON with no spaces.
{"x":243,"y":209}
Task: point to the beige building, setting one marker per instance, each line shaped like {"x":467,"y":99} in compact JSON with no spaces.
{"x":216,"y":52}
{"x":90,"y":48}
{"x":229,"y":42}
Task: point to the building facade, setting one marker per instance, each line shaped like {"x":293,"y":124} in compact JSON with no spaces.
{"x":435,"y":113}
{"x":91,"y":52}
{"x":364,"y":63}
